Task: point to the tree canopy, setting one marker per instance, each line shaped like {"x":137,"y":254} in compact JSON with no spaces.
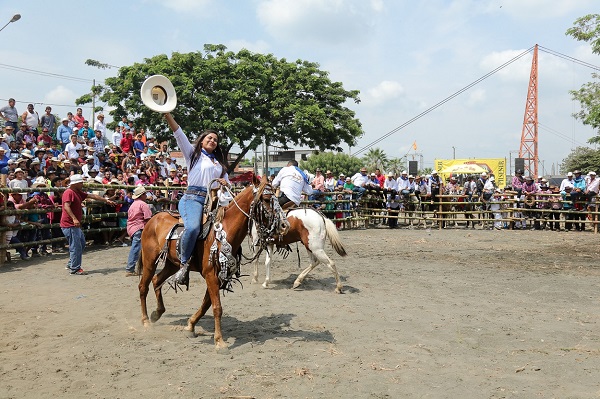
{"x":587,"y":29}
{"x":336,"y":163}
{"x":582,"y":158}
{"x":245,"y":96}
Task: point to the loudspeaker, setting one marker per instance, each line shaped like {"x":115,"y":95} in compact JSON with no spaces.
{"x":413,"y":168}
{"x":520,"y":164}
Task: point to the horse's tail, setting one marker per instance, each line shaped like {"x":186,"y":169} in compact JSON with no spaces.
{"x":334,"y":237}
{"x":139,"y":265}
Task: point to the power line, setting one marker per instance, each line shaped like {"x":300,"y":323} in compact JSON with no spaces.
{"x":455,"y":94}
{"x":561,"y":135}
{"x":52,"y":105}
{"x":43,"y":73}
{"x":445,"y":100}
{"x":569,"y":58}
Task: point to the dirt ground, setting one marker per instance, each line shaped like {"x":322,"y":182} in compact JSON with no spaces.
{"x":446,"y":314}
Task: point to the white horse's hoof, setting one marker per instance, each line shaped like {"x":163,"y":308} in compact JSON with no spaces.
{"x":265,"y":285}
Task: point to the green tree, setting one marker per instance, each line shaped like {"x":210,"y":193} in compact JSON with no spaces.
{"x":246,"y":96}
{"x":582,"y":158}
{"x":587,"y":29}
{"x":375,"y":158}
{"x":335,"y":162}
{"x":395,"y":166}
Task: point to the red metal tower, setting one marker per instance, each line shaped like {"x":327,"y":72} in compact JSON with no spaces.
{"x":529,"y":135}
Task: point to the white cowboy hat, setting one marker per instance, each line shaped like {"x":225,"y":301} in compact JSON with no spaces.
{"x":158,"y":94}
{"x":40,"y":181}
{"x":75,"y":179}
{"x":138,"y":192}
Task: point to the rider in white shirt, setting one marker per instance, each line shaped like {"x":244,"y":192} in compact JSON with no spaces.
{"x":292,"y":182}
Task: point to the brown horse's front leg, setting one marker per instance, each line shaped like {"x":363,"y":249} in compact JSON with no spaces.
{"x":191,"y":325}
{"x":212,"y":284}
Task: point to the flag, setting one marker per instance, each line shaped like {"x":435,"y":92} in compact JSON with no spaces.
{"x":414,"y":146}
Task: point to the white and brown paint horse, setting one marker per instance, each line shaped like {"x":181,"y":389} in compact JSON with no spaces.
{"x":312,"y":229}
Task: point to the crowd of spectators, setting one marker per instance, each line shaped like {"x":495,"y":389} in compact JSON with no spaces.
{"x":37,"y":152}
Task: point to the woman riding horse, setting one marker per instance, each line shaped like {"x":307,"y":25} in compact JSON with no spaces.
{"x":205,"y":163}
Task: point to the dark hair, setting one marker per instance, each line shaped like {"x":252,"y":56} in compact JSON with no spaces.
{"x":218,"y":153}
{"x":293,"y":162}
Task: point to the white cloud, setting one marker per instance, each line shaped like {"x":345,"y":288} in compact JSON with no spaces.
{"x":317,"y":21}
{"x":517,"y":71}
{"x":476,"y":96}
{"x":384,"y":92}
{"x":60,"y":95}
{"x":186,"y":6}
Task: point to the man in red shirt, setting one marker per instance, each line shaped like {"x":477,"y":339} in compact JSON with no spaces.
{"x":137,"y":216}
{"x":79,"y":119}
{"x":126,"y":143}
{"x":70,"y":221}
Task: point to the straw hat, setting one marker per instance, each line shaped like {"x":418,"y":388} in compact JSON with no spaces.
{"x":139,"y":191}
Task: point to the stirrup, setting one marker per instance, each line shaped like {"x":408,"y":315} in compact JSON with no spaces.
{"x":180,"y":278}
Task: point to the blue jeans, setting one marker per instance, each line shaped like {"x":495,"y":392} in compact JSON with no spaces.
{"x":134,"y":253}
{"x":359,"y":192}
{"x":76,"y":241}
{"x":190,"y":209}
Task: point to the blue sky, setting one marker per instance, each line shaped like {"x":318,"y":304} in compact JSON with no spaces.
{"x":404,"y":57}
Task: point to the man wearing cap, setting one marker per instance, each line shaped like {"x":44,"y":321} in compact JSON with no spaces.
{"x":48,"y":121}
{"x":152,"y":149}
{"x":568,"y":181}
{"x":71,"y":218}
{"x":64,"y":133}
{"x":341,"y":180}
{"x":10,"y":114}
{"x":138,"y":215}
{"x":291,"y":182}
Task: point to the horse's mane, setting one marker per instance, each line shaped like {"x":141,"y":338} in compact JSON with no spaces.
{"x":258,"y":194}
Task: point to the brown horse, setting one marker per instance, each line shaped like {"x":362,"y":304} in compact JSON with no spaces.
{"x":255,"y":201}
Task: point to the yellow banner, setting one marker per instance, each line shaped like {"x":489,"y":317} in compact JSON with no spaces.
{"x":493,"y":166}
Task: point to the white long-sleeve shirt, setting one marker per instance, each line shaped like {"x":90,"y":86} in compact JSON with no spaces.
{"x":292,"y":184}
{"x":390,"y":184}
{"x":205,"y":168}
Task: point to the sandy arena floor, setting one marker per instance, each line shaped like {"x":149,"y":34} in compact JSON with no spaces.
{"x":451,"y":314}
